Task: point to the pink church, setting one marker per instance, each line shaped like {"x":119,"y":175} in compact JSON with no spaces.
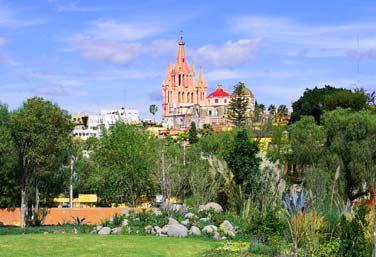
{"x":186,"y":100}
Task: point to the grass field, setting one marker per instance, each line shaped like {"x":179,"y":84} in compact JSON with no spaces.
{"x":61,"y":245}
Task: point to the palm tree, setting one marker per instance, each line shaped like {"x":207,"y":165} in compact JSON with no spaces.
{"x":271,"y":110}
{"x":282,"y":112}
{"x":153,"y":109}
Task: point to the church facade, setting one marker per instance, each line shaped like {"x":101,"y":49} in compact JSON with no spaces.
{"x":185,"y":100}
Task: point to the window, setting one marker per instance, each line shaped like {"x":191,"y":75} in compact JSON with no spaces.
{"x":210,"y":113}
{"x":225,"y":101}
{"x":179,"y":79}
{"x":216,"y":101}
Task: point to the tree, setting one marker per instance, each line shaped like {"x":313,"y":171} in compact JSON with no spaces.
{"x":282,"y":112}
{"x":258,"y":112}
{"x":153,"y":110}
{"x":315,"y":101}
{"x":242,"y":160}
{"x":207,"y":129}
{"x":42,"y":133}
{"x":351,"y":136}
{"x":9,"y":190}
{"x":126,"y":163}
{"x":238,"y":106}
{"x":193,"y":138}
{"x":272,"y":111}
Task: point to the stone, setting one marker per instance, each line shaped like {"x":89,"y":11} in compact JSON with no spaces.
{"x":104,"y":231}
{"x":172,"y":221}
{"x":117,"y":230}
{"x":97,"y":228}
{"x":173,"y":230}
{"x":124,"y":223}
{"x":125,"y":212}
{"x":227,"y":228}
{"x":149,"y":229}
{"x":157,"y":230}
{"x":176,"y":230}
{"x":195,"y":231}
{"x":185,"y":222}
{"x":212,"y":205}
{"x":190,"y":215}
{"x":204,"y":219}
{"x":210,"y":229}
{"x":217,"y":236}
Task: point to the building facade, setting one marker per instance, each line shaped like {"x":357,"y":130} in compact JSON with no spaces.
{"x":89,"y":125}
{"x":185,"y":100}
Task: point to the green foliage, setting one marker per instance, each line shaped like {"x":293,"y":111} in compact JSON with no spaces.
{"x":242,"y":160}
{"x":207,"y":129}
{"x":193,"y":138}
{"x":268,"y":226}
{"x":42,"y":135}
{"x":9,"y":190}
{"x":153,"y":110}
{"x":261,"y":249}
{"x":126,"y":161}
{"x":315,"y":101}
{"x":237,"y":109}
{"x":352,"y":241}
{"x":351,"y":137}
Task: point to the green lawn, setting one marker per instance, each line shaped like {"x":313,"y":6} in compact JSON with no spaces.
{"x":60,"y":245}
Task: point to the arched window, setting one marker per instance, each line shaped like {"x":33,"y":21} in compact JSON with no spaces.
{"x":168,"y":96}
{"x":179,"y":97}
{"x":216,"y":101}
{"x":182,"y":97}
{"x":191,"y":97}
{"x":179,"y":79}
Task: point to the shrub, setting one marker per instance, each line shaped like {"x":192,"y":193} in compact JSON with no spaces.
{"x":353,"y":241}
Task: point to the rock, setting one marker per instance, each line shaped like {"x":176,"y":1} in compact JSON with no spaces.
{"x":94,"y":231}
{"x":117,"y":230}
{"x":210,"y":229}
{"x":181,"y":208}
{"x":97,"y":228}
{"x":217,"y":236}
{"x":149,"y":229}
{"x":215,"y":206}
{"x":204,"y":219}
{"x":125,"y":212}
{"x":176,"y":230}
{"x":172,"y":221}
{"x":45,"y":232}
{"x":190,"y":215}
{"x":157,"y":230}
{"x":195,"y":231}
{"x":227,"y":228}
{"x":185,"y":222}
{"x":104,"y":231}
{"x":124,"y":223}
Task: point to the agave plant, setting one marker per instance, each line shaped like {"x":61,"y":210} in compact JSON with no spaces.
{"x":295,"y":202}
{"x":78,"y":221}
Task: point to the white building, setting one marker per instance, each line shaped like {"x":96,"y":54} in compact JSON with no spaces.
{"x":89,"y":125}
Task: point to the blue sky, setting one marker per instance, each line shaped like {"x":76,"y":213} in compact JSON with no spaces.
{"x":92,"y":55}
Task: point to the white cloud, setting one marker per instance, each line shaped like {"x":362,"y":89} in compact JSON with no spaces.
{"x":74,"y":7}
{"x":115,"y":52}
{"x":10,"y":18}
{"x":229,"y":54}
{"x":289,"y":37}
{"x":119,"y":42}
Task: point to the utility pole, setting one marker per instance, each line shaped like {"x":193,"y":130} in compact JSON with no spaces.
{"x":71,"y":183}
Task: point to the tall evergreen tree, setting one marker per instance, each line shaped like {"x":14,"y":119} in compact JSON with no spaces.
{"x":238,"y":105}
{"x":193,"y":138}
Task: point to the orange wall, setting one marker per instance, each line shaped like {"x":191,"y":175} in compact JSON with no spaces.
{"x":57,"y":216}
{"x":10,"y":216}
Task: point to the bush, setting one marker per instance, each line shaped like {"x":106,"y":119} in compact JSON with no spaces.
{"x":259,"y":248}
{"x":353,"y":241}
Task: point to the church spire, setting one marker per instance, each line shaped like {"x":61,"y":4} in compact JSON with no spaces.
{"x":181,"y":52}
{"x":201,"y":82}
